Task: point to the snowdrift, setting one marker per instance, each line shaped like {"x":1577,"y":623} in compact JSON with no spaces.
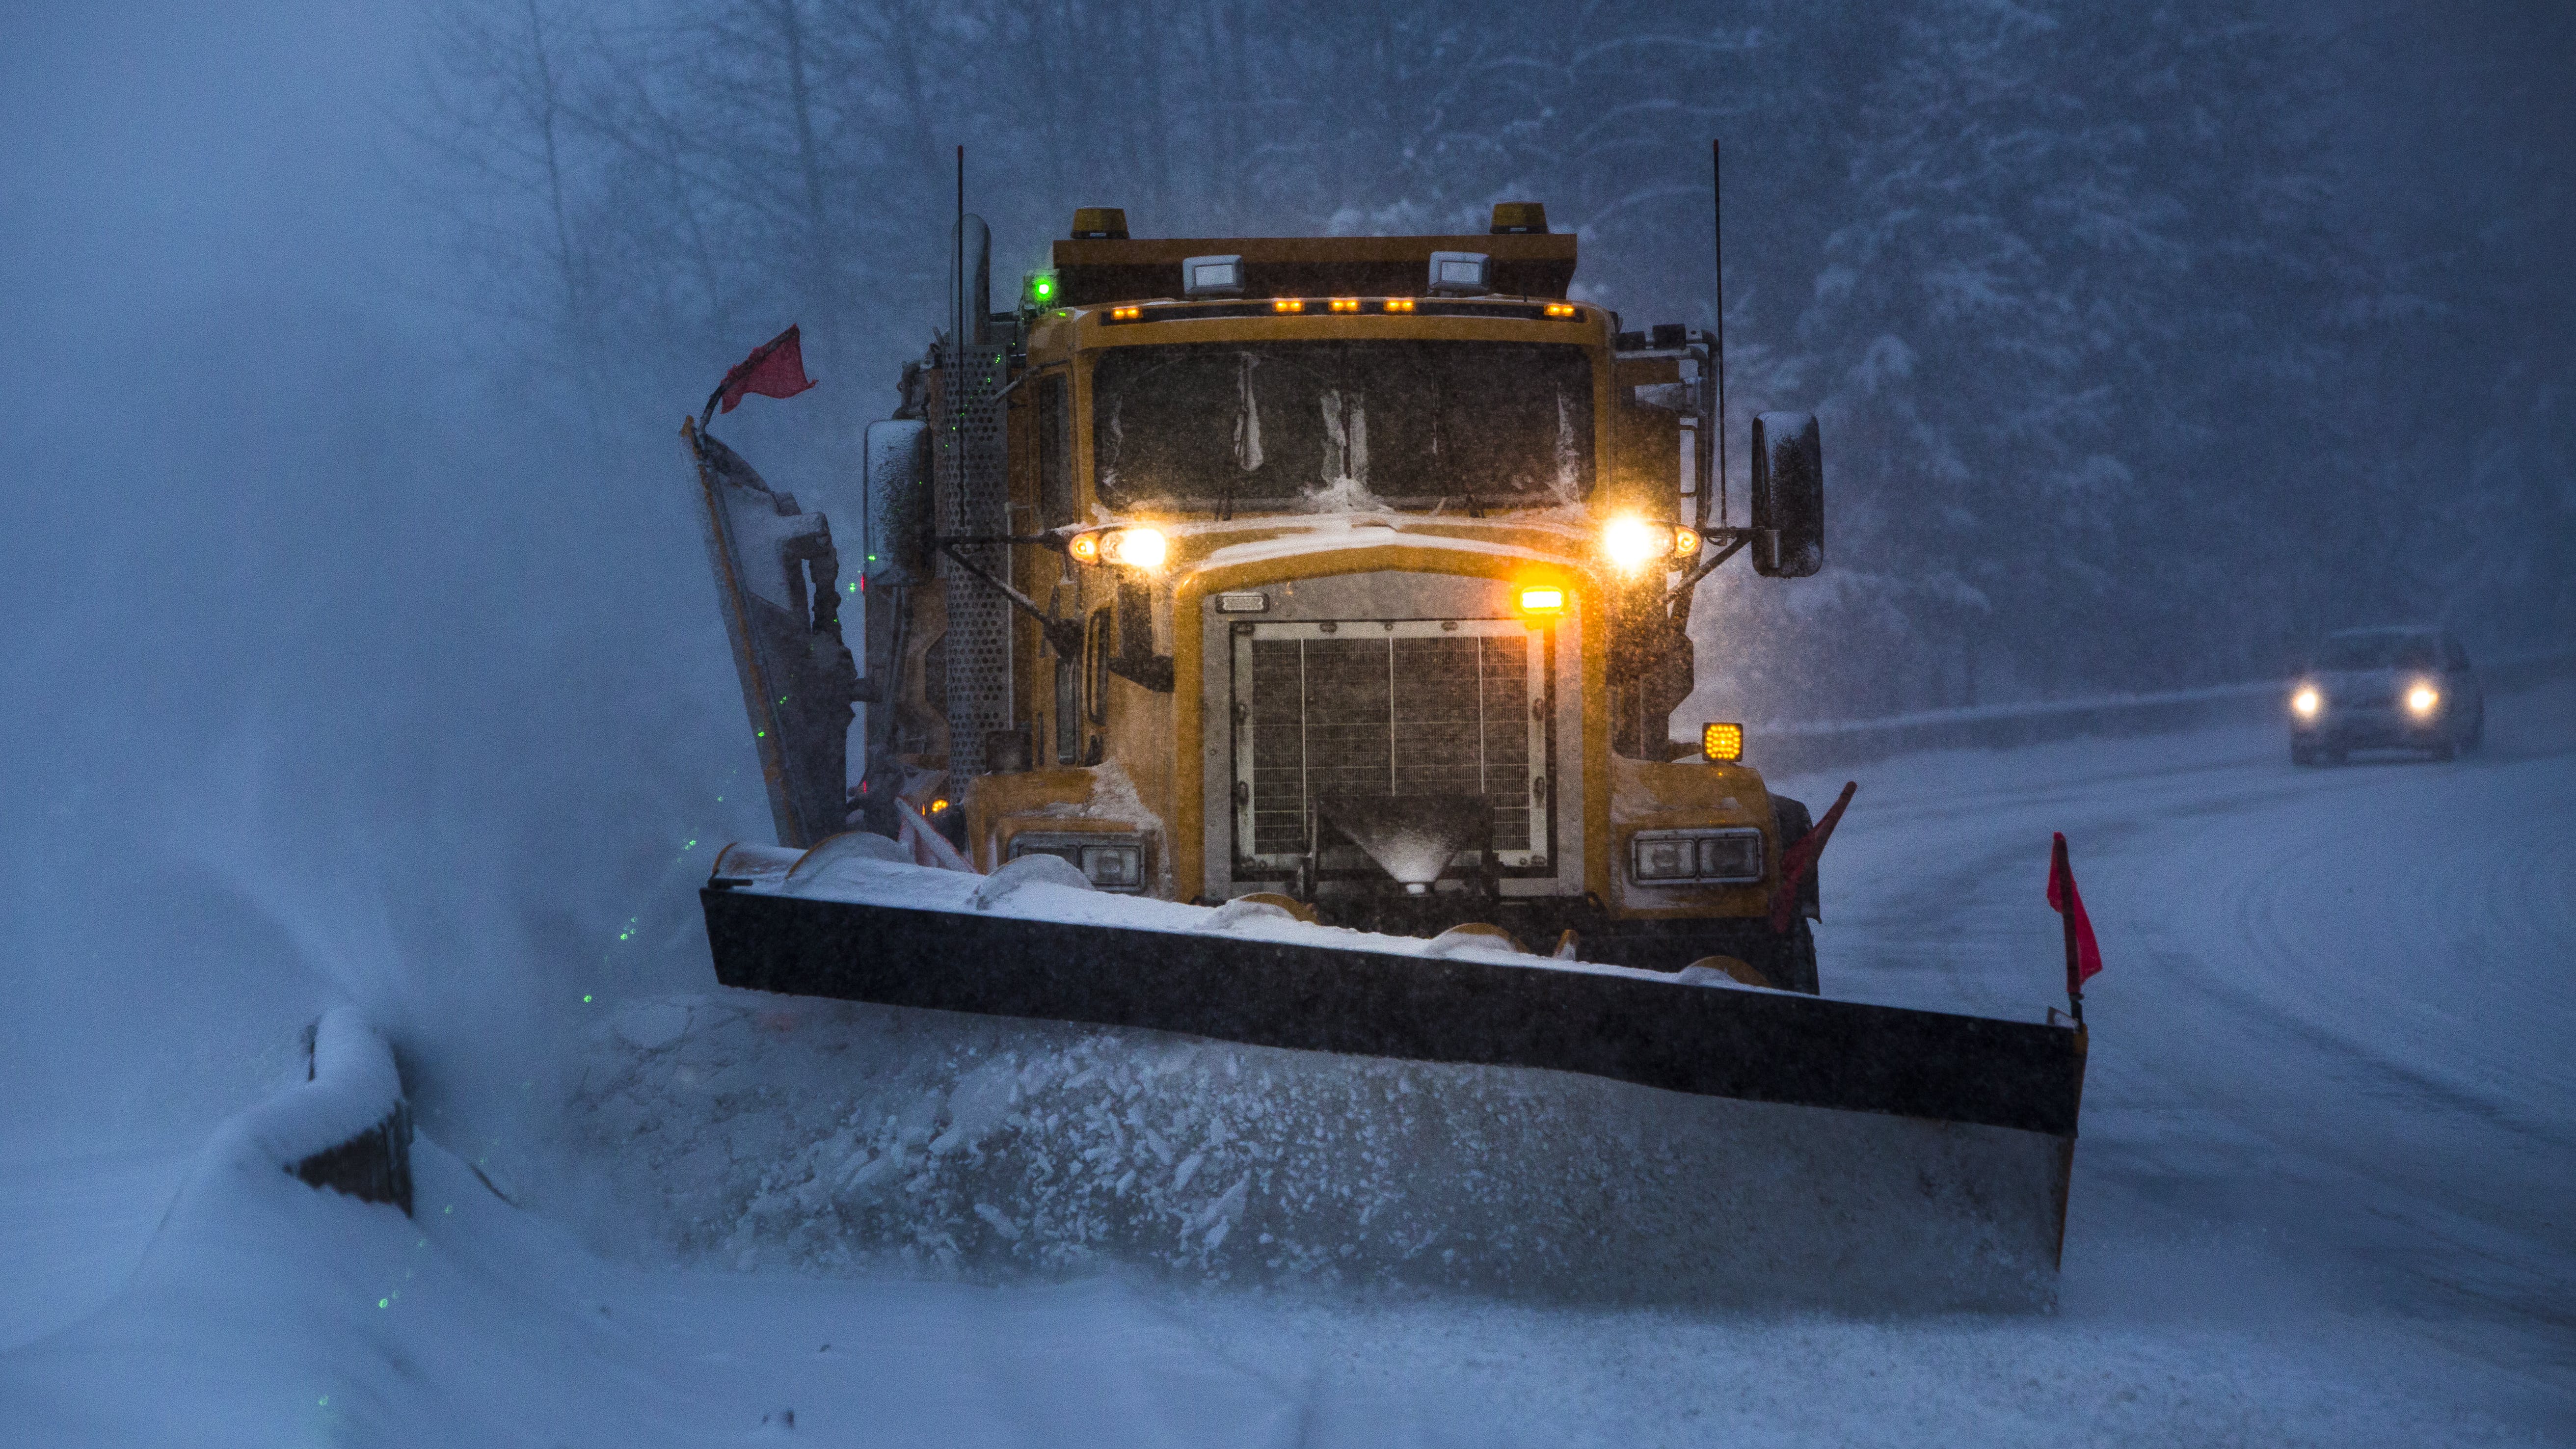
{"x":844,"y":1136}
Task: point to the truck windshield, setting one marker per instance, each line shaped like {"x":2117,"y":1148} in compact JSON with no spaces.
{"x":1279,"y":425}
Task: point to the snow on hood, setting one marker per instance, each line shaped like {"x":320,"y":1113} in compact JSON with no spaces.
{"x":867,"y":880}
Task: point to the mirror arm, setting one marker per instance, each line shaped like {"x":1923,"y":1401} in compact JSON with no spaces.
{"x":1053,"y":541}
{"x":1731,"y":541}
{"x":1064,"y":636}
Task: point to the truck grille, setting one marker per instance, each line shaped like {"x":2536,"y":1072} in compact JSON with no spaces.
{"x":1419,"y":707}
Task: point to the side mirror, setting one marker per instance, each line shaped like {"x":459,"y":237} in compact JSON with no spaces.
{"x":1788,"y":496}
{"x":894,"y":539}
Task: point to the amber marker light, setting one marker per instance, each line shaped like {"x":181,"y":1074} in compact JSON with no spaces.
{"x":1542,"y":599}
{"x":1346,"y":304}
{"x":1135,"y":548}
{"x":1125,"y":314}
{"x":1286,"y":304}
{"x":1723,"y":743}
{"x":1085,"y":548}
{"x":1399,"y":304}
{"x":1560,"y":309}
{"x":1685,"y":542}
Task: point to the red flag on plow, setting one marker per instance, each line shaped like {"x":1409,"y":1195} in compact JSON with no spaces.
{"x":1800,"y":857}
{"x":2083,"y":953}
{"x":775,"y":368}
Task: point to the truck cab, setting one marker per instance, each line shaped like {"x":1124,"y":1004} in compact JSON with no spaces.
{"x":1348,"y":573}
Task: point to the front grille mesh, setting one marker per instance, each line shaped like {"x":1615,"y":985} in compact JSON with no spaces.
{"x":1404,"y":715}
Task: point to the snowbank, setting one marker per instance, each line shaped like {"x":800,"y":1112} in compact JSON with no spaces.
{"x":346,"y":1126}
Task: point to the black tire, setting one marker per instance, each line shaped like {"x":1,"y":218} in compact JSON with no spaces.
{"x":1792,"y":959}
{"x":1790,"y":818}
{"x":2302,"y":755}
{"x":2446,"y":750}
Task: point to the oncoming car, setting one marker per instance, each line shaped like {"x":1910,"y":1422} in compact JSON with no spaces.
{"x":2403,"y":688}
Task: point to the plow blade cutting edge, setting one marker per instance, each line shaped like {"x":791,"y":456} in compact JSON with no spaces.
{"x":1548,"y":1128}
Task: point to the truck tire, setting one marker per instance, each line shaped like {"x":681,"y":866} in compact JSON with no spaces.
{"x":1791,"y":962}
{"x":1791,"y":819}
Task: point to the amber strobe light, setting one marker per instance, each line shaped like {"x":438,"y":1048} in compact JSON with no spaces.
{"x":1085,"y":548}
{"x":1542,"y":599}
{"x":1722,"y":742}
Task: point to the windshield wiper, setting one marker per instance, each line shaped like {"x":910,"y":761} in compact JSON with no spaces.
{"x":1440,"y":449}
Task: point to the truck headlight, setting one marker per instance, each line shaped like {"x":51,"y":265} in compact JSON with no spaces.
{"x":1111,"y":867}
{"x":2307,"y":702}
{"x":2423,"y":699}
{"x":1110,"y":862}
{"x":1136,"y":548}
{"x":1632,"y":543}
{"x":1723,"y":857}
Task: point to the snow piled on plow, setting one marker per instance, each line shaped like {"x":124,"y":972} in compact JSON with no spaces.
{"x":772,"y":1131}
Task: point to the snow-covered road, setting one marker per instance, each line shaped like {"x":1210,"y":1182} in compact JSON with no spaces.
{"x":2321,"y":1197}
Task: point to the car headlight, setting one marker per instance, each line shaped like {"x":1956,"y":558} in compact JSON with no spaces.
{"x":2423,"y":699}
{"x":2307,"y":702}
{"x":1731,"y":857}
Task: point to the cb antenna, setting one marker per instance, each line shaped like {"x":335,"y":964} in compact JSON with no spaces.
{"x":957,"y":261}
{"x":1717,"y":242}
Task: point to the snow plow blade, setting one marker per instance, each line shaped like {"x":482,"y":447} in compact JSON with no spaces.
{"x":1603,"y":1132}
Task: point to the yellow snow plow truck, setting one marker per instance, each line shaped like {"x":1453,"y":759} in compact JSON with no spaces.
{"x":1338,"y":585}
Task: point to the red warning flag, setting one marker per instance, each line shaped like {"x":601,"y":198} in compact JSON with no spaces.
{"x":2083,"y":953}
{"x":775,"y":368}
{"x":1800,"y":857}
